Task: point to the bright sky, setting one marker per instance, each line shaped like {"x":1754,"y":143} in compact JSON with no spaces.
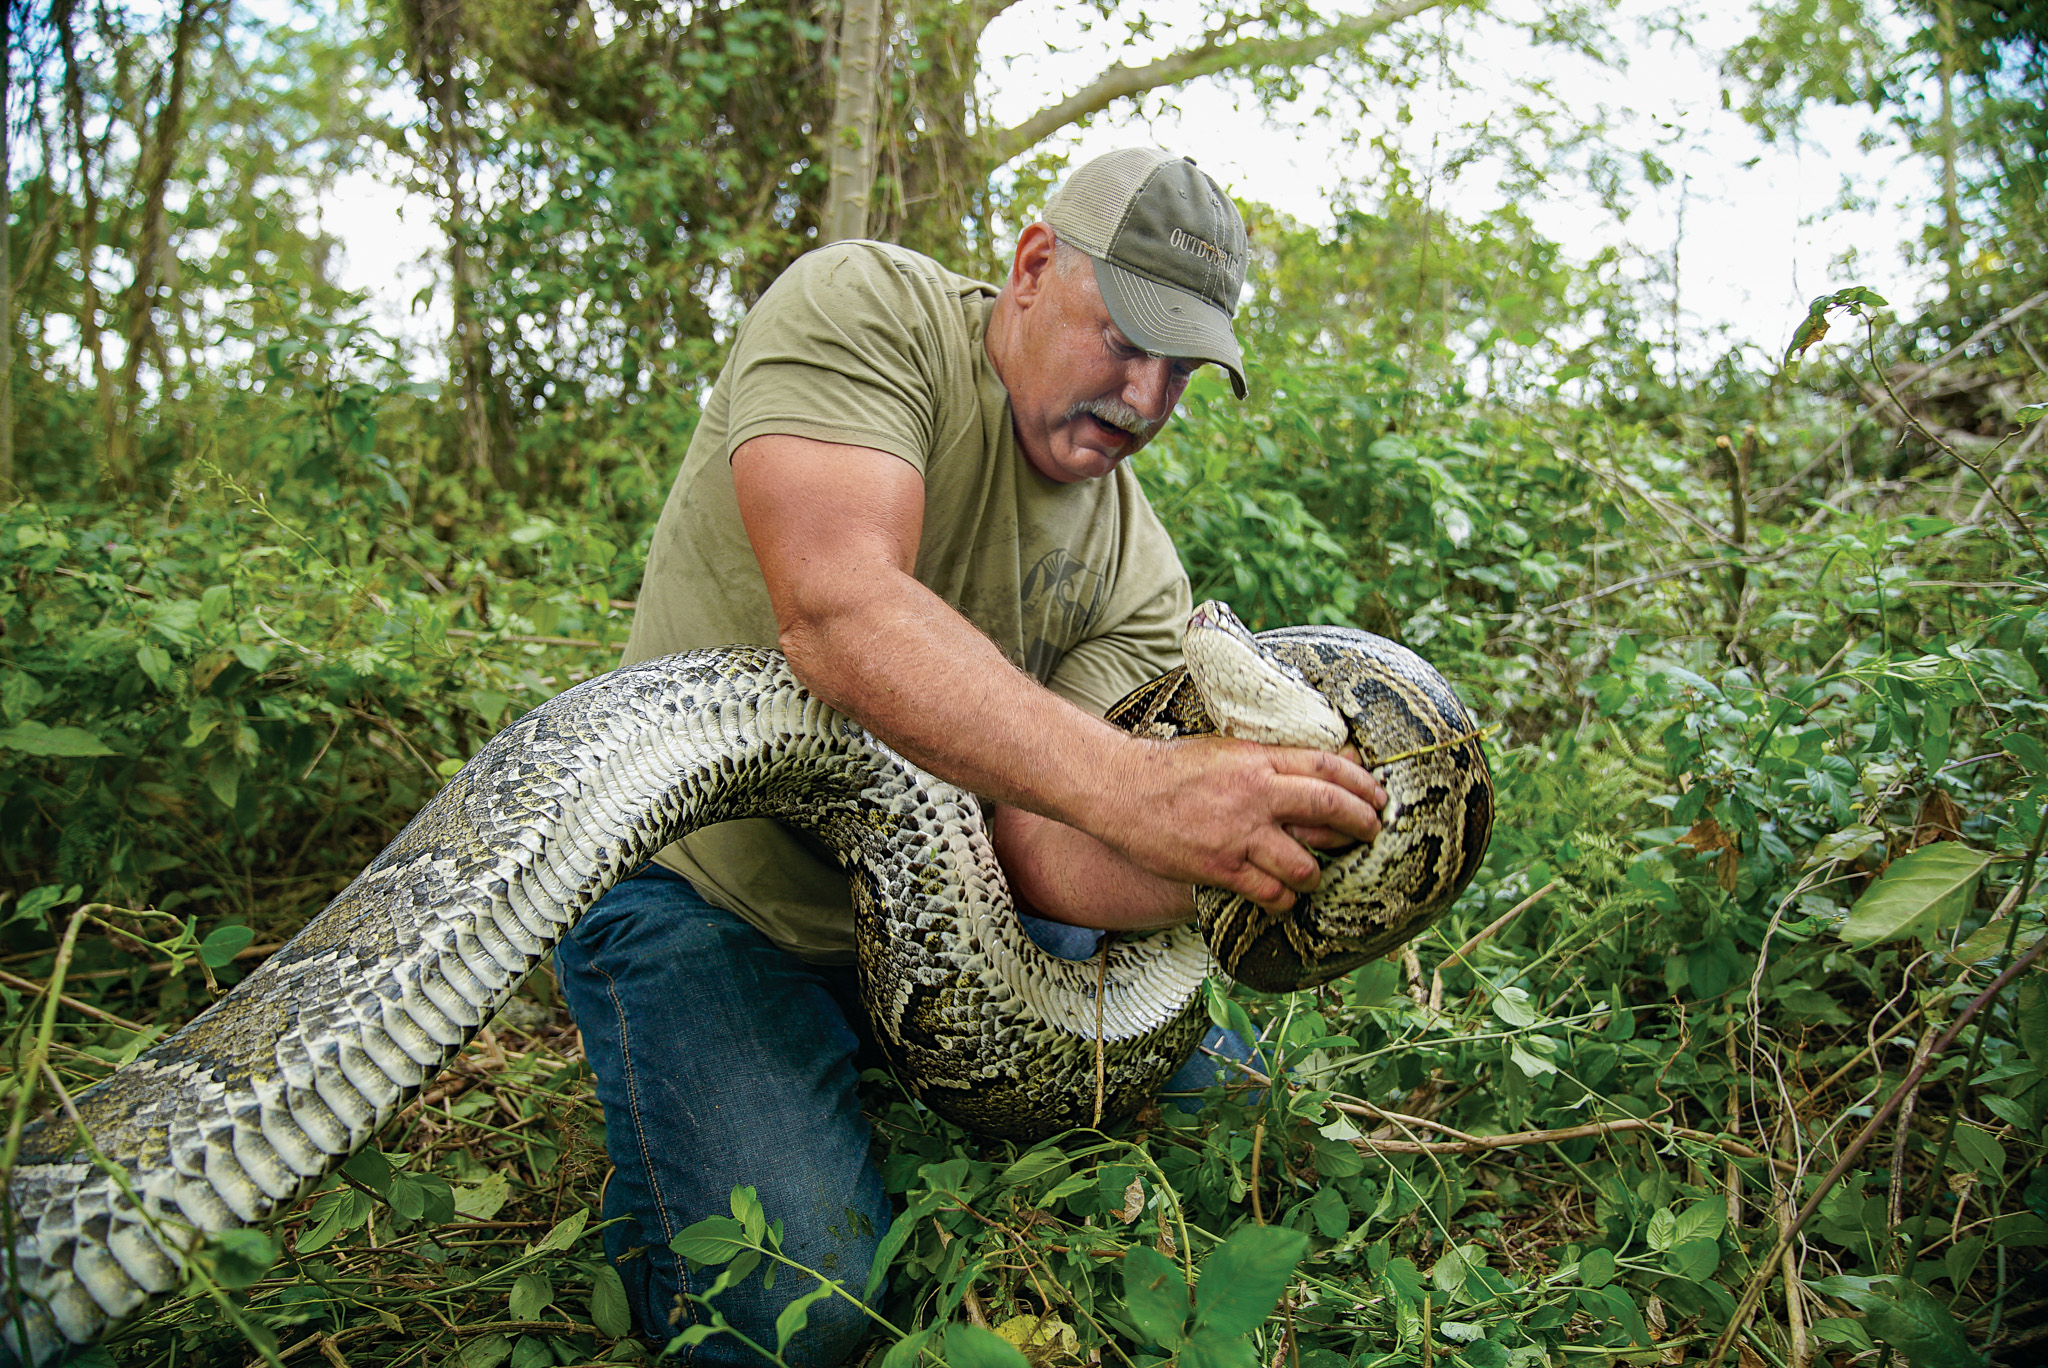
{"x":1763,"y":231}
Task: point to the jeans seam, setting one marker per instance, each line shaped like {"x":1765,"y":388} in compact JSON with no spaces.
{"x":646,"y":1158}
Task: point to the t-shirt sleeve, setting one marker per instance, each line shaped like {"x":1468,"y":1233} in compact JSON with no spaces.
{"x":844,"y":347}
{"x":1139,"y":638}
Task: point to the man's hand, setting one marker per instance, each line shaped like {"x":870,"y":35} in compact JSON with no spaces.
{"x":1237,"y":815}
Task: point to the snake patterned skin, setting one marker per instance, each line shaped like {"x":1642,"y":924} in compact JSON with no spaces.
{"x":230,"y":1121}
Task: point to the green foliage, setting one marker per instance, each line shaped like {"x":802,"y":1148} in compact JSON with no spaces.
{"x":1769,"y":668}
{"x":1754,"y":823}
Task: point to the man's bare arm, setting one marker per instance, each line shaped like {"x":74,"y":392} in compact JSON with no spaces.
{"x":836,"y":529}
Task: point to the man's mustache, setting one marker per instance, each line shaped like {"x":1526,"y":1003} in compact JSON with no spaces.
{"x":1117,"y":414}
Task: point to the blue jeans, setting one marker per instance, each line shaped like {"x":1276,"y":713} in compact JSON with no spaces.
{"x":722,"y":1061}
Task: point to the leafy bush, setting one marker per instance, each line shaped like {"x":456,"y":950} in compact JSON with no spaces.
{"x":1773,"y":788}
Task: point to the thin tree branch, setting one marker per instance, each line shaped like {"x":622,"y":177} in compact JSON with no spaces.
{"x":1120,"y":82}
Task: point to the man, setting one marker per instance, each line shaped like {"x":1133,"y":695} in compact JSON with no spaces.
{"x":914,"y":484}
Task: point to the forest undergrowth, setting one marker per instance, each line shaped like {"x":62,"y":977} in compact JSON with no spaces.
{"x":1731,"y":1052}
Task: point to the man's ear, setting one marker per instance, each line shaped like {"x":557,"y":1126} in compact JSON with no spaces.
{"x":1031,"y":267}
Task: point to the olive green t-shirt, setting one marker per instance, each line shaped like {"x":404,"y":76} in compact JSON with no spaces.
{"x":875,"y":346}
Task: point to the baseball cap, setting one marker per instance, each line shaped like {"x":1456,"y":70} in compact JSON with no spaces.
{"x":1169,"y":251}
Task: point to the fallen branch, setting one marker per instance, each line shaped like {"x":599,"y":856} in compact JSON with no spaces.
{"x":1467,"y":1143}
{"x":73,"y":1003}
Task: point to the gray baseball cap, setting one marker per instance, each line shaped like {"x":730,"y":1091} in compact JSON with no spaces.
{"x":1169,"y":251}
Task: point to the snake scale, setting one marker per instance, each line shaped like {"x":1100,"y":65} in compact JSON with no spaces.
{"x":244,"y":1111}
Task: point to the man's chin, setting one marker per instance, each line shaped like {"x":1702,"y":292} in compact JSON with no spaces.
{"x":1092,"y":462}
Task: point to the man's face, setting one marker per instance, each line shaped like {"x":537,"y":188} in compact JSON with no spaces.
{"x":1082,"y":396}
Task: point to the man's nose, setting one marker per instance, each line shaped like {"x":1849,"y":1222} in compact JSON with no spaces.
{"x":1148,"y":386}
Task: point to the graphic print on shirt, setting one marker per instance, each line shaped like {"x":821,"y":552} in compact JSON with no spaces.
{"x":1061,"y":599}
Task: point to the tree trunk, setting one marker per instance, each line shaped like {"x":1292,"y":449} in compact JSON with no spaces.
{"x":153,"y":178}
{"x":851,"y":141}
{"x":435,"y":31}
{"x":469,"y":339}
{"x":86,"y":231}
{"x":6,"y":261}
{"x":1951,"y":211}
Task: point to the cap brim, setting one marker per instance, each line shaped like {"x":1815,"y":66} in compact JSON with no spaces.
{"x":1170,"y":321}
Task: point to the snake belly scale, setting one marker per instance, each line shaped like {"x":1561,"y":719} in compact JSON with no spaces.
{"x":231,"y":1120}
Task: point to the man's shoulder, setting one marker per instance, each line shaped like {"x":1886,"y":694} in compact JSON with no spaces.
{"x":881,"y":270}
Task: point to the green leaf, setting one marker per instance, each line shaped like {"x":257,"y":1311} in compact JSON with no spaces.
{"x":1846,"y":844}
{"x":2030,"y":413}
{"x":34,"y":738}
{"x":1212,"y":1349}
{"x":1694,"y":1260}
{"x":1911,"y":1321}
{"x":224,"y":778}
{"x":368,"y":1165}
{"x":904,"y":1352}
{"x":566,"y":1232}
{"x":1919,"y":892}
{"x":609,"y":1310}
{"x":1618,"y":1305}
{"x":1988,"y":942}
{"x":1485,"y":1353}
{"x":531,"y":1351}
{"x":794,"y":1316}
{"x":1402,"y":1279}
{"x":746,"y":1209}
{"x":436,"y":1196}
{"x":483,"y":1201}
{"x":222,"y":945}
{"x":155,"y":662}
{"x":531,"y":1293}
{"x":1597,"y":1268}
{"x":485,"y":1351}
{"x":1977,"y":1150}
{"x":1036,"y":1164}
{"x":713,"y":1240}
{"x":407,"y":1197}
{"x":334,"y":1213}
{"x":2028,"y":752}
{"x":1156,"y":1296}
{"x":900,"y":1231}
{"x":1703,"y":1220}
{"x":1455,"y":1267}
{"x":1663,"y":1229}
{"x":1242,"y":1281}
{"x":1328,"y":1211}
{"x":2008,"y":1111}
{"x":1687,"y":679}
{"x":2030,"y":1010}
{"x":237,"y":1258}
{"x":32,"y":904}
{"x":214,"y":602}
{"x":1512,"y":1005}
{"x":970,"y":1346}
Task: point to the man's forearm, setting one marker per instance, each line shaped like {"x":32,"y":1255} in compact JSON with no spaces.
{"x":1068,"y":875}
{"x":917,"y":674}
